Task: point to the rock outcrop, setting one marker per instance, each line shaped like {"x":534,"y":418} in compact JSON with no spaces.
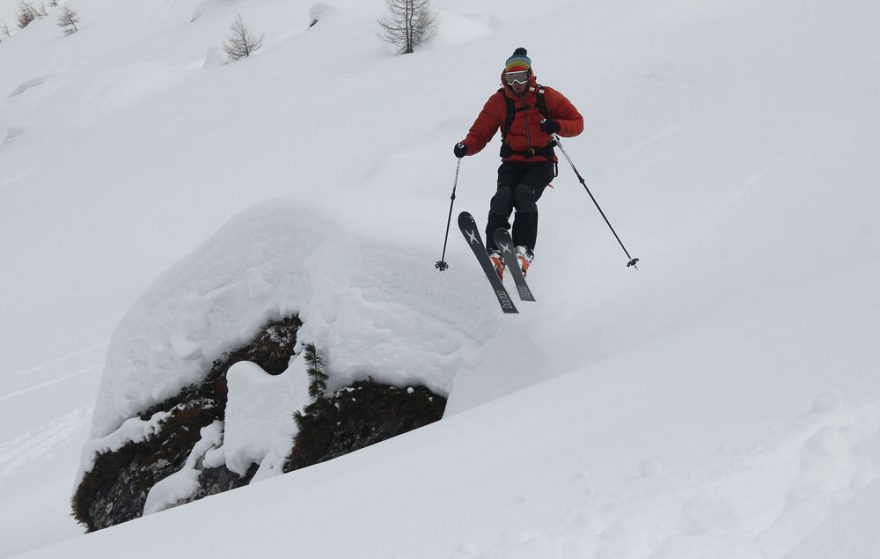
{"x":116,"y":488}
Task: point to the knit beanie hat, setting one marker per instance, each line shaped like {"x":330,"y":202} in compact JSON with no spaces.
{"x":518,"y":61}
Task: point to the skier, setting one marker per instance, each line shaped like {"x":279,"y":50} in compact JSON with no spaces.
{"x":528,"y":115}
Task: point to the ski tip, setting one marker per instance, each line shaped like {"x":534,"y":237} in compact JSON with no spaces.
{"x":465,"y":219}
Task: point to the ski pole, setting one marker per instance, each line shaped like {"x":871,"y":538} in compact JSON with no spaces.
{"x":441,"y":264}
{"x":632,"y":261}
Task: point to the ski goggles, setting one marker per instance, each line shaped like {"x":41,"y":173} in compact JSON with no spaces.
{"x":520,"y":77}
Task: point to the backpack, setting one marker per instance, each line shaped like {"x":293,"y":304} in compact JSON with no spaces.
{"x":512,"y":109}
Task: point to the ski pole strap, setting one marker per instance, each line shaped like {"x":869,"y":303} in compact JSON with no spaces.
{"x":455,"y":183}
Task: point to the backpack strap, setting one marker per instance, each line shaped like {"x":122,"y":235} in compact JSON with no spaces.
{"x":508,"y":118}
{"x":512,"y":109}
{"x":541,"y":102}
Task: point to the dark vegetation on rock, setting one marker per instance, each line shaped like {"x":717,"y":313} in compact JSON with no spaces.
{"x":116,"y":488}
{"x":352,"y":418}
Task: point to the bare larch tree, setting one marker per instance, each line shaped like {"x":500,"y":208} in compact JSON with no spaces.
{"x":242,"y":42}
{"x":68,"y":20}
{"x":409,"y":24}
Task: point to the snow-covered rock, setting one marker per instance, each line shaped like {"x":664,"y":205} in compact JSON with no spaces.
{"x":361,"y":302}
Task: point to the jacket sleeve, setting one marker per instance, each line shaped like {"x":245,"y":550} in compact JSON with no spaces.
{"x":571,"y":123}
{"x":488,"y":122}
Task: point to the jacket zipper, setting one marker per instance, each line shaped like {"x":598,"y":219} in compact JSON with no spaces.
{"x":526,"y":123}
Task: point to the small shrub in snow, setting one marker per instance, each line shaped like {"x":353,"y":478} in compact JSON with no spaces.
{"x":242,"y":43}
{"x":409,"y":24}
{"x":315,"y":369}
{"x":317,"y":385}
{"x":4,"y":32}
{"x":26,"y":14}
{"x":68,"y":20}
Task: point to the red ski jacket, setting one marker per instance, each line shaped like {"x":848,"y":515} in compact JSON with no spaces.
{"x":525,"y":131}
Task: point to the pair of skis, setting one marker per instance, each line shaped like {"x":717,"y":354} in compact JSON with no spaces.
{"x":502,"y":239}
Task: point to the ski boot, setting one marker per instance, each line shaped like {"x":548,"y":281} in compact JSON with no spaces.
{"x":498,"y":262}
{"x":525,"y":257}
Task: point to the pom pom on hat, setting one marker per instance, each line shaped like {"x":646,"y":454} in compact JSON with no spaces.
{"x":518,"y":61}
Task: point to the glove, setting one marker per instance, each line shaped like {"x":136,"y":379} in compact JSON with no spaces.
{"x":549,"y":126}
{"x":460,"y":150}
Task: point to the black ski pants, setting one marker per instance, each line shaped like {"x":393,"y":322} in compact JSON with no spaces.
{"x":520,"y":185}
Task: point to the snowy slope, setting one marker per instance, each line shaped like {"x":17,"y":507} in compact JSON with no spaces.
{"x":566,"y":476}
{"x":723,"y":397}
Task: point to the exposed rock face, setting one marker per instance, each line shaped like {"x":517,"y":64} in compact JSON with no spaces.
{"x":116,"y":488}
{"x":217,"y":480}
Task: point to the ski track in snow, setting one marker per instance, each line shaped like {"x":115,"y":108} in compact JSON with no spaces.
{"x":16,"y":178}
{"x":55,"y":371}
{"x":29,"y":439}
{"x":58,"y":360}
{"x":50,"y":382}
{"x":40,"y":442}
